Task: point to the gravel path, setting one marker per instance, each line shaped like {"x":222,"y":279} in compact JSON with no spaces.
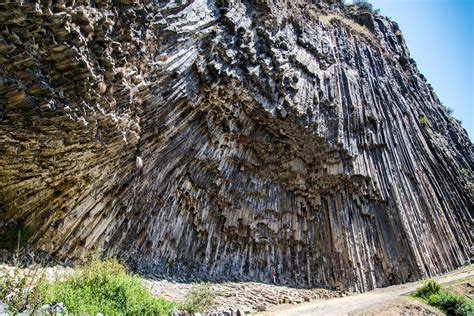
{"x":355,"y":303}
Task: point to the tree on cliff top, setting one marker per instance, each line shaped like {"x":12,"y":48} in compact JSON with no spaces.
{"x":363,"y":5}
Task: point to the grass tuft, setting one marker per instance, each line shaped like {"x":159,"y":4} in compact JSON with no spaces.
{"x":424,"y":122}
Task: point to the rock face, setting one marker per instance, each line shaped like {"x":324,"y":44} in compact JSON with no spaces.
{"x":221,"y":138}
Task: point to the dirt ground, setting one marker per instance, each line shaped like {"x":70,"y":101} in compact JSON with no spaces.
{"x":377,"y":302}
{"x":400,"y":306}
{"x":465,"y":288}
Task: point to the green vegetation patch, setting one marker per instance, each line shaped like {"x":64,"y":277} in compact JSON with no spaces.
{"x":469,"y":176}
{"x":423,"y":120}
{"x":363,"y":5}
{"x":99,"y":287}
{"x":200,"y":299}
{"x":451,"y":303}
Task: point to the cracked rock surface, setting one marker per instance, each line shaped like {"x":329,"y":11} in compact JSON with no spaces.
{"x":216,"y":139}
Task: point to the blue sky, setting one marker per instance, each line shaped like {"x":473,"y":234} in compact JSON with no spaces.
{"x":440,"y":35}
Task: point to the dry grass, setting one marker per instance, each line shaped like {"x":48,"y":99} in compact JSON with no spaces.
{"x":21,"y":289}
{"x":329,"y":18}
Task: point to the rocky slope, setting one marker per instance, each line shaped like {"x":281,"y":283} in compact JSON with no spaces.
{"x":218,"y":139}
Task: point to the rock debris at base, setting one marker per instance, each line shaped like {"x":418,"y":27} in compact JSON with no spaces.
{"x":244,"y":296}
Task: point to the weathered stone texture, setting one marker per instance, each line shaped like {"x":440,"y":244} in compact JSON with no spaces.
{"x":220,"y":138}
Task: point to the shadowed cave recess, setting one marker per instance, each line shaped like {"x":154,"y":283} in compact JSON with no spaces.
{"x":218,"y":139}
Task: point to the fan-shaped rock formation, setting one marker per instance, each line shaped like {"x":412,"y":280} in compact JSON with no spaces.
{"x":222,"y":138}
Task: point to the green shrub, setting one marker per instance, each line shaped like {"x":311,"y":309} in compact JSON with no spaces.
{"x":470,"y":187}
{"x":363,"y":5}
{"x":451,"y":303}
{"x":424,"y":121}
{"x":470,"y":180}
{"x":200,"y":299}
{"x":448,"y":110}
{"x":104,"y":287}
{"x":429,"y":288}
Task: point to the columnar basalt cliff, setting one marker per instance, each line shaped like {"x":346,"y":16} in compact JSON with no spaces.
{"x":220,"y":138}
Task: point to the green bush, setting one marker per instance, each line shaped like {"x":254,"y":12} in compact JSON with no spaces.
{"x":429,"y":288}
{"x":200,"y":299}
{"x":424,"y":121}
{"x":451,"y":303}
{"x":363,"y":5}
{"x":104,"y":287}
{"x":448,"y":110}
{"x":470,"y":180}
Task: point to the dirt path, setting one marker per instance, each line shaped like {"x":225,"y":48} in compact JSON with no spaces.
{"x":354,"y":303}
